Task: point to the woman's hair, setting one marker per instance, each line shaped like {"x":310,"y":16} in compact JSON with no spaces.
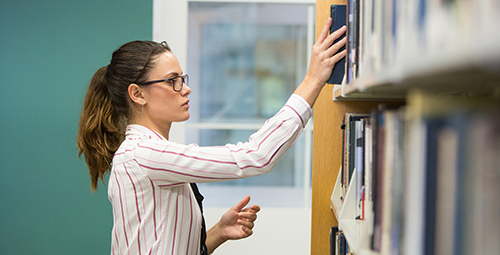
{"x":106,"y":107}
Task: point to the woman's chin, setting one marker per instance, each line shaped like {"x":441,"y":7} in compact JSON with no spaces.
{"x":184,"y":118}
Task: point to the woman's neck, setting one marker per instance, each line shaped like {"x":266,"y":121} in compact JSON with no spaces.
{"x":162,"y":128}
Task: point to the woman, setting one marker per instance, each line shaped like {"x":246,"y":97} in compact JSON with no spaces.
{"x":124,"y":127}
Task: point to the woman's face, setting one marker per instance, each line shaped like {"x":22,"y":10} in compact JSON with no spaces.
{"x":163,"y":104}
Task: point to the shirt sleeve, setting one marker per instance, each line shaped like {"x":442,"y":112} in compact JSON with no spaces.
{"x":167,"y":163}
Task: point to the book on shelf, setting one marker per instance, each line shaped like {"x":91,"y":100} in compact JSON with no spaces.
{"x":359,"y":167}
{"x":481,"y":182}
{"x":429,"y":177}
{"x":338,"y":15}
{"x":453,"y":172}
{"x":389,"y":40}
{"x":371,"y":146}
{"x":393,"y":177}
{"x":352,"y":39}
{"x":447,"y":153}
{"x":388,"y":140}
{"x":378,"y":132}
{"x":338,"y":244}
{"x":349,"y":149}
{"x":342,"y":167}
{"x":398,"y":180}
{"x":333,"y":240}
{"x":367,"y":171}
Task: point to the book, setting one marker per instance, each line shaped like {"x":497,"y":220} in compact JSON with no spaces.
{"x":333,"y":240}
{"x":343,"y":128}
{"x":484,"y":166}
{"x":398,"y":184}
{"x":367,"y":177}
{"x":392,"y":173}
{"x":359,"y":166}
{"x":387,"y":131}
{"x":447,"y":153}
{"x":350,"y":147}
{"x":352,"y":39}
{"x":338,"y":15}
{"x":342,"y":243}
{"x":378,"y":173}
{"x":373,"y":166}
{"x":356,"y":34}
{"x":432,"y":126}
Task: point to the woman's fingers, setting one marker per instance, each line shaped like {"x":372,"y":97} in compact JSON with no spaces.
{"x":324,"y":33}
{"x":334,"y":36}
{"x":247,"y":231}
{"x":247,"y":216}
{"x":252,"y":208}
{"x":333,"y":49}
{"x":325,"y":54}
{"x":340,"y":55}
{"x":246,"y":223}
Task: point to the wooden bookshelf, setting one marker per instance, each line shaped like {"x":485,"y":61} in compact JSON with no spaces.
{"x":327,"y":151}
{"x":469,"y":70}
{"x":327,"y":147}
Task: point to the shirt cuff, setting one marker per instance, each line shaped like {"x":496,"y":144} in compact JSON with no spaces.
{"x":300,"y":106}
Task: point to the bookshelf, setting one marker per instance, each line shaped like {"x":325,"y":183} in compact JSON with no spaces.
{"x":458,"y":68}
{"x":450,"y":72}
{"x":444,"y":47}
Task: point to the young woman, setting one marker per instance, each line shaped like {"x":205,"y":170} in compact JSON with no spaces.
{"x":124,"y":130}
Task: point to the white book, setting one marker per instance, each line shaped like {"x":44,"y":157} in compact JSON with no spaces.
{"x":446,"y":191}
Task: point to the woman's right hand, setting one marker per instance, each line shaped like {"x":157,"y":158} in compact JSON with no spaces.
{"x":324,"y":56}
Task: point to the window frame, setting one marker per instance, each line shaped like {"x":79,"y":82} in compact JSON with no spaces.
{"x":174,"y":29}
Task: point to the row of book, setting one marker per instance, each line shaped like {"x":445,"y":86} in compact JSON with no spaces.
{"x":430,"y":172}
{"x":385,"y":34}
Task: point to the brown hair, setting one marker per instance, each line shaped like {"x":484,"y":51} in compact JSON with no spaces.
{"x":106,"y":106}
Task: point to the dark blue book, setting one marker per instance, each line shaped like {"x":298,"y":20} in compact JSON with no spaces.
{"x":338,"y":14}
{"x":333,"y":239}
{"x":433,"y":126}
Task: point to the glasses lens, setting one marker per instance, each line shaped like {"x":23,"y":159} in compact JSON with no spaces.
{"x":185,"y":79}
{"x":177,"y":83}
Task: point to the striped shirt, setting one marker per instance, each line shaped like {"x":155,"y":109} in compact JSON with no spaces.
{"x":154,"y":208}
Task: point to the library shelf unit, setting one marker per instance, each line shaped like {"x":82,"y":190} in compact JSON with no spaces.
{"x":468,"y":68}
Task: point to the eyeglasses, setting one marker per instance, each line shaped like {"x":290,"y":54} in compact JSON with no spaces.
{"x":177,"y":82}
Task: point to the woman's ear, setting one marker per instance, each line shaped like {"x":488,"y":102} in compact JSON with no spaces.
{"x":136,"y":94}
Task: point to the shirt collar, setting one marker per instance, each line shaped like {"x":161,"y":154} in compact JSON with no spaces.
{"x":142,"y":131}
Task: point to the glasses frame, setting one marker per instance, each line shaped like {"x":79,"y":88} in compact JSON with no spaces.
{"x":184,"y":78}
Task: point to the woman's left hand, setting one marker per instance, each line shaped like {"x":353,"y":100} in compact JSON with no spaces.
{"x":238,"y":222}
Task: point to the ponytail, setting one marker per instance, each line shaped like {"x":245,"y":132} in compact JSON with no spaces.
{"x":101,"y":129}
{"x":106,"y":105}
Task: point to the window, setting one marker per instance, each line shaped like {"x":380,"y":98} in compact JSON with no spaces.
{"x":244,"y":61}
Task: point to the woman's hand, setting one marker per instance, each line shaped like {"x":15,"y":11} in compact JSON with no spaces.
{"x":324,"y":56}
{"x":236,"y":223}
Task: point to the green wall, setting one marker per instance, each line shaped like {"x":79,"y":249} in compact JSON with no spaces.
{"x":49,"y":51}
